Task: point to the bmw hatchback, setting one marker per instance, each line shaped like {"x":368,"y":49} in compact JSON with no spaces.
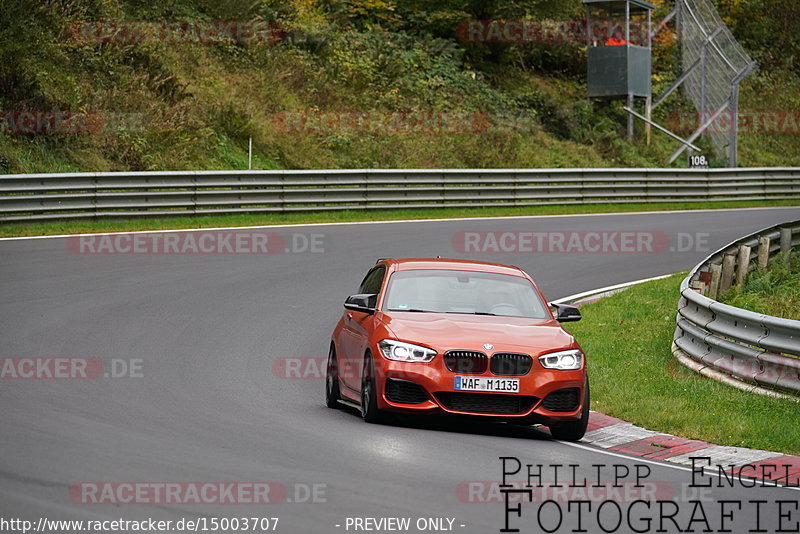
{"x":430,"y":336}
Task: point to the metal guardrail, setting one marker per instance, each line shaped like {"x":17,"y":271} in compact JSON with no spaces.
{"x":38,"y":197}
{"x":758,"y":349}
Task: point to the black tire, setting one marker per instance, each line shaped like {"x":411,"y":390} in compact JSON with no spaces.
{"x":574,"y":430}
{"x":332,"y":394}
{"x":369,"y":393}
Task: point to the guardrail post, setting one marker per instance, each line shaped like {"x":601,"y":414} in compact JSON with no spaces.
{"x":194,"y":194}
{"x":716,"y":274}
{"x":95,"y":199}
{"x":786,"y":239}
{"x":367,"y":191}
{"x":763,"y":252}
{"x":282,"y":191}
{"x":743,"y":264}
{"x":728,"y":264}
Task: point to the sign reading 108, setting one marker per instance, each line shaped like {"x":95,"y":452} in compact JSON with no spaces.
{"x":698,"y":162}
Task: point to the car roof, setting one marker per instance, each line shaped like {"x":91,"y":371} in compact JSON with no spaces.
{"x":411,"y":264}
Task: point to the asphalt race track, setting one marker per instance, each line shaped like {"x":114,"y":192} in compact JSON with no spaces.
{"x":205,"y":402}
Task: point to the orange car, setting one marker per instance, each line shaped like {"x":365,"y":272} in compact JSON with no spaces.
{"x":458,"y":337}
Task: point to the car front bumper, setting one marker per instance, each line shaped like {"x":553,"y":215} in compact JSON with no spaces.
{"x":439,"y":386}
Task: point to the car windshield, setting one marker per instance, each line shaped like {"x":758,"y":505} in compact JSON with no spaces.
{"x":465,"y":292}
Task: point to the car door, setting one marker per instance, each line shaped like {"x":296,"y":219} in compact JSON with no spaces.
{"x":357,"y":327}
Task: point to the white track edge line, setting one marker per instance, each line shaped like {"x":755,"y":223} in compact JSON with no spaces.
{"x":610,"y":288}
{"x":359,"y":223}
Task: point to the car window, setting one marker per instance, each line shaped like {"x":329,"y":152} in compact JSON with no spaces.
{"x":465,"y":292}
{"x":373,"y":281}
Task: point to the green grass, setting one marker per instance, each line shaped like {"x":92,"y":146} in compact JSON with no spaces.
{"x":192,"y":106}
{"x":209,"y":221}
{"x":634,"y":376}
{"x":773,"y":291}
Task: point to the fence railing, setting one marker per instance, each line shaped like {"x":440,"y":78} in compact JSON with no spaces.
{"x":748,"y":347}
{"x":37,"y":197}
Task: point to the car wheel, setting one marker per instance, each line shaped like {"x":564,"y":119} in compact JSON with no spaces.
{"x":574,"y":430}
{"x":332,"y":394}
{"x":369,"y":393}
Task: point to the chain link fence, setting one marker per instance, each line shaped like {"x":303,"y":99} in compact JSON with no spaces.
{"x":718,"y":63}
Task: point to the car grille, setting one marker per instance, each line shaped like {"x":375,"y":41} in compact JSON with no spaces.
{"x":510,"y":364}
{"x":562,"y":400}
{"x":465,"y":361}
{"x":405,"y":392}
{"x":486,"y":402}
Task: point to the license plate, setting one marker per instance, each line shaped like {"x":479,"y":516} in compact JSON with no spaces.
{"x":482,"y":383}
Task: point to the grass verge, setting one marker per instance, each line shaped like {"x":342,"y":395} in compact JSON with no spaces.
{"x":635,"y":377}
{"x":773,"y":291}
{"x":210,"y":221}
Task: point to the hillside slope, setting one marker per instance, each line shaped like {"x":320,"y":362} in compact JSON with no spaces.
{"x":335,"y":85}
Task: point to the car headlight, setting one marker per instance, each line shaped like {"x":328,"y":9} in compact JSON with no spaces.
{"x":405,"y":352}
{"x":565,"y":360}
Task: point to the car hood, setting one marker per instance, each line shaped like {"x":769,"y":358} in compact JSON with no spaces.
{"x":444,"y":332}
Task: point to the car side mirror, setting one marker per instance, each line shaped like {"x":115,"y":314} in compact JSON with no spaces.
{"x":364,"y":303}
{"x":566,"y":313}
